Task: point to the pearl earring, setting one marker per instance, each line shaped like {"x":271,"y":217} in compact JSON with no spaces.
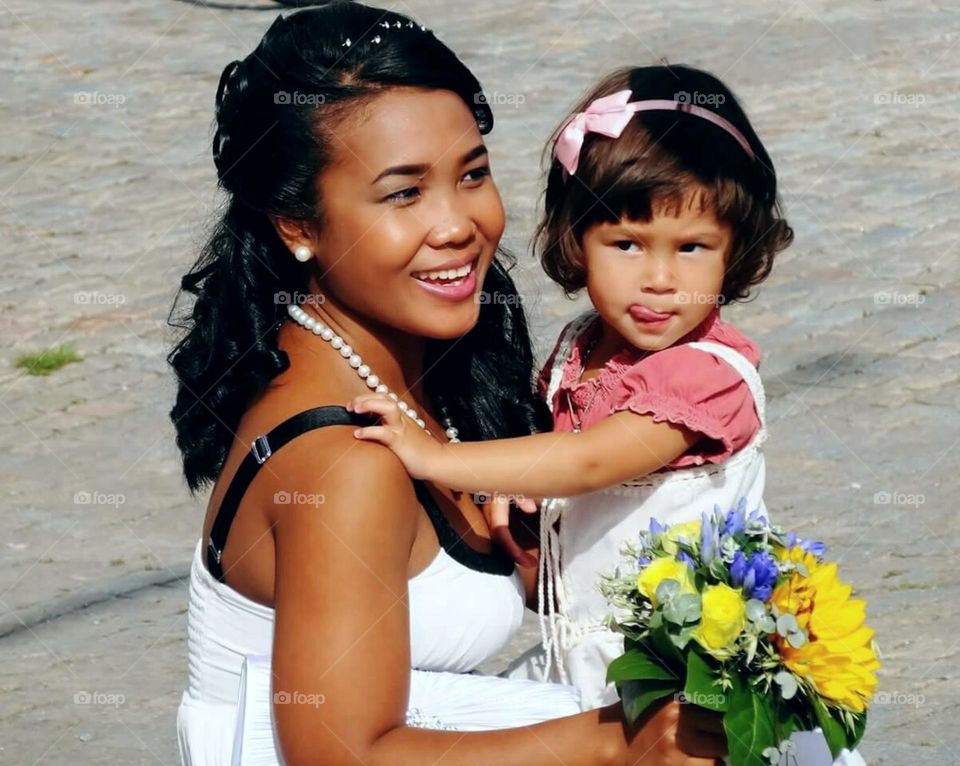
{"x":302,"y":253}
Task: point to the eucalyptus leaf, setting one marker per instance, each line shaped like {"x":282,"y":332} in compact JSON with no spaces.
{"x":772,"y":755}
{"x":756,"y":610}
{"x":787,"y":683}
{"x":666,"y":590}
{"x":786,"y":623}
{"x":689,"y":604}
{"x":681,"y":639}
{"x":796,"y":638}
{"x":767,"y":624}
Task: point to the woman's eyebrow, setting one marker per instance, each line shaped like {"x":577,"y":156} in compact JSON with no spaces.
{"x":421,"y":169}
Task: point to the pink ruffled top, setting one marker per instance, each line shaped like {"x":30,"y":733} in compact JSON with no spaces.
{"x":678,"y":384}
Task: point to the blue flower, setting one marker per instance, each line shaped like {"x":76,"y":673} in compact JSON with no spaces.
{"x":736,"y":519}
{"x":757,"y":523}
{"x":815,"y":547}
{"x":709,"y":537}
{"x":756,"y":575}
{"x":686,"y":559}
{"x":656,"y":527}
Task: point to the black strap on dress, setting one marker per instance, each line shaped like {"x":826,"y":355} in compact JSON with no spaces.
{"x":497,"y":562}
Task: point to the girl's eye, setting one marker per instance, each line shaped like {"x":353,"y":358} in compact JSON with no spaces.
{"x":477,"y":174}
{"x":404,"y":195}
{"x":689,"y":247}
{"x":625,"y":245}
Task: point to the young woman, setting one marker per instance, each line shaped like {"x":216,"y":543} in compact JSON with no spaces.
{"x":349,"y":143}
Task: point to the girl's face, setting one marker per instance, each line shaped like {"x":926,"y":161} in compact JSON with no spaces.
{"x":411,"y":216}
{"x":653,"y":282}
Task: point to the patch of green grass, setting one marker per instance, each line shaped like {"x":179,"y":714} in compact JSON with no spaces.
{"x":117,"y":562}
{"x":45,"y":362}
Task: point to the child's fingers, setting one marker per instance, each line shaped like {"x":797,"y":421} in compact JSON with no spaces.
{"x":361,"y":403}
{"x":380,"y":405}
{"x":381,"y":434}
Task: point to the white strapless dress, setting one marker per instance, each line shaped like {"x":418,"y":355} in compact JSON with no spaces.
{"x":460,"y":617}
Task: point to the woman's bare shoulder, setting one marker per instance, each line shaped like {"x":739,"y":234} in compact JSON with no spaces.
{"x":346,"y":480}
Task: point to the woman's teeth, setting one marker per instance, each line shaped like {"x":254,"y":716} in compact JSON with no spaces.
{"x":455,"y":274}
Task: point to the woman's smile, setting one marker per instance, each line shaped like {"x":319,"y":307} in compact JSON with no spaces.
{"x":452,"y":281}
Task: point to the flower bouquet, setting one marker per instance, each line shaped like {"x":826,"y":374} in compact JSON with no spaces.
{"x":741,"y":618}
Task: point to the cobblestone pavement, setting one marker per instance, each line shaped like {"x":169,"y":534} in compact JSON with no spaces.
{"x":105,"y":186}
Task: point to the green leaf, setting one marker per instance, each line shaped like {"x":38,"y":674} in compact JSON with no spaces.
{"x":749,"y":725}
{"x":637,"y":696}
{"x":638,"y":664}
{"x":661,"y":645}
{"x":701,"y":688}
{"x":834,"y":732}
{"x":859,"y":726}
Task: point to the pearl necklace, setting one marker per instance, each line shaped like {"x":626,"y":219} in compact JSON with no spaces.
{"x":317,"y":327}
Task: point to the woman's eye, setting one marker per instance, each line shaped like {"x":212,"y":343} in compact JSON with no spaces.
{"x":477,"y":174}
{"x":625,"y":245}
{"x":690,"y":247}
{"x":404,"y":195}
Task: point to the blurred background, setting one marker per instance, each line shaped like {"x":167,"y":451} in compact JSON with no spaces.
{"x":107,"y":187}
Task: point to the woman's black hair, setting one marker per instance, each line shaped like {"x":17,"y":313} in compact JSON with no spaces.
{"x":273,"y":112}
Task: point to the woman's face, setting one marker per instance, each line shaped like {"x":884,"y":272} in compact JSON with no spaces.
{"x":411,"y":216}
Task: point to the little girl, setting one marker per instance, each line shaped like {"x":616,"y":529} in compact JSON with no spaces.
{"x":662,"y":202}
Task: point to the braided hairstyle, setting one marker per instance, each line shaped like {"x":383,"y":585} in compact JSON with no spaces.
{"x":271,"y":143}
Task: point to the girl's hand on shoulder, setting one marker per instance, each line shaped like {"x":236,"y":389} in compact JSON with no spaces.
{"x":412,"y":444}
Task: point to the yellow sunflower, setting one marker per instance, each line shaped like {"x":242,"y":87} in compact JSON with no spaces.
{"x":838,"y":658}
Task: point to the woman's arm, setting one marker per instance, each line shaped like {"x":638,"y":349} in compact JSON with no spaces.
{"x":341,"y":642}
{"x":558,"y":464}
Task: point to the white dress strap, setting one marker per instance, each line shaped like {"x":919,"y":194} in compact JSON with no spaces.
{"x":551,"y":597}
{"x":746,"y":371}
{"x":564,"y":347}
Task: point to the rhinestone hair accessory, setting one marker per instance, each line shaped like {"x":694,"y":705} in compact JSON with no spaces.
{"x":377,"y":39}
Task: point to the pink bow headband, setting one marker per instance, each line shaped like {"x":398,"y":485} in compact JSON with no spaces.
{"x":609,"y":115}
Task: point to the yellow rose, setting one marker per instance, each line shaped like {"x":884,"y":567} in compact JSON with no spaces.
{"x":688,"y":530}
{"x":722,"y":617}
{"x":664,"y":568}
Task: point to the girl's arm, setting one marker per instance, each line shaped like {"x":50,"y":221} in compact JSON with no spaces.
{"x":558,"y":464}
{"x":341,"y":642}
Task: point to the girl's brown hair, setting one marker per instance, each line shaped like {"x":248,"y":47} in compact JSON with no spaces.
{"x":657,"y":162}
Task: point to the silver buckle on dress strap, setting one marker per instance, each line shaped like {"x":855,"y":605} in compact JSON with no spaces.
{"x":214,"y":552}
{"x":261,"y":449}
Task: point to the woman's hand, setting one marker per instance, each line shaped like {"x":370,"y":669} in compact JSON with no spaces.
{"x":678,"y":735}
{"x":496,"y":511}
{"x":413,"y":445}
